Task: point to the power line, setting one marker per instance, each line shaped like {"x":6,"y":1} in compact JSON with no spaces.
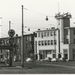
{"x":37,"y":12}
{"x":44,"y":14}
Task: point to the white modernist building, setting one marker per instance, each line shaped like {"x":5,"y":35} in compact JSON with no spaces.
{"x":56,"y":43}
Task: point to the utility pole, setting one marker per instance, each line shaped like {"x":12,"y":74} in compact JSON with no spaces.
{"x":55,"y":41}
{"x":58,"y":7}
{"x":9,"y":25}
{"x":22,"y":43}
{"x":10,"y":49}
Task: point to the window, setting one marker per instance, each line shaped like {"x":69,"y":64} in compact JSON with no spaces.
{"x":29,"y":38}
{"x":65,"y":53}
{"x":74,"y":41}
{"x":1,"y":56}
{"x":74,"y":54}
{"x":65,"y":56}
{"x":47,"y":33}
{"x":66,"y":32}
{"x":45,"y":42}
{"x":54,"y":42}
{"x":48,"y":42}
{"x":39,"y":43}
{"x":42,"y":42}
{"x":51,"y":33}
{"x":51,"y":42}
{"x":54,"y":32}
{"x":74,"y":32}
{"x":54,"y":51}
{"x":67,"y":41}
{"x":42,"y":34}
{"x":54,"y":55}
{"x":74,"y":51}
{"x":38,"y":34}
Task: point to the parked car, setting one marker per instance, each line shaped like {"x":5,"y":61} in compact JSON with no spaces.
{"x":53,"y":59}
{"x":62,"y":59}
{"x":46,"y":59}
{"x":29,"y":60}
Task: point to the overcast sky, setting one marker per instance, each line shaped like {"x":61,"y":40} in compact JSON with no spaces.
{"x":34,"y":16}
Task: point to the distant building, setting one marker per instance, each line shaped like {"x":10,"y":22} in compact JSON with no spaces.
{"x":28,"y":47}
{"x":46,"y":44}
{"x":56,"y":43}
{"x":51,"y":42}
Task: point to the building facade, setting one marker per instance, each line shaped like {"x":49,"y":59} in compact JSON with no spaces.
{"x":56,"y":43}
{"x":46,"y":43}
{"x":16,"y":52}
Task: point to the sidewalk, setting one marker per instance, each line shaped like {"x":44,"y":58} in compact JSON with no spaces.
{"x":69,"y":64}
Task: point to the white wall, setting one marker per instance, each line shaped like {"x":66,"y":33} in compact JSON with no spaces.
{"x":48,"y":47}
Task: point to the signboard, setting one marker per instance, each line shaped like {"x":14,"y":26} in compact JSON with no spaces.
{"x":11,"y":32}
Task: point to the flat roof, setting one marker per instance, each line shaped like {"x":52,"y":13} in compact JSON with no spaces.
{"x":69,"y":27}
{"x":47,"y":30}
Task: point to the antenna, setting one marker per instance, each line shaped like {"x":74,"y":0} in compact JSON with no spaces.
{"x":58,"y":7}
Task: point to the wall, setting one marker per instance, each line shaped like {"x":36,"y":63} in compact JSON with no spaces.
{"x":48,"y":47}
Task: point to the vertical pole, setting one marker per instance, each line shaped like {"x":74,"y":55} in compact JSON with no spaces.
{"x":58,"y":7}
{"x":54,"y":42}
{"x":22,"y":43}
{"x":10,"y":64}
{"x":59,"y":39}
{"x":9,"y":25}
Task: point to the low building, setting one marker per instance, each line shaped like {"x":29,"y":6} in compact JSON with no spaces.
{"x":47,"y":43}
{"x":28,"y":47}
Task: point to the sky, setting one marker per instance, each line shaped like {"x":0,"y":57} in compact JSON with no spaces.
{"x":35,"y":12}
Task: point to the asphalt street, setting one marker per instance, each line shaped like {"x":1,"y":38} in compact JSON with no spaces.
{"x":39,"y":68}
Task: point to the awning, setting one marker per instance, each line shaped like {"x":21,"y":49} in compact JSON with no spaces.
{"x":7,"y":47}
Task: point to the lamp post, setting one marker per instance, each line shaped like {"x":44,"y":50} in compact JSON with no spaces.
{"x":22,"y":43}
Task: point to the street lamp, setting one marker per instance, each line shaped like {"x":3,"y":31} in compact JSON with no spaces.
{"x":47,"y":18}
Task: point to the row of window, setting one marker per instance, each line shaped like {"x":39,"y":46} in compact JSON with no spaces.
{"x":47,"y":42}
{"x":67,"y":41}
{"x":28,"y":38}
{"x":46,"y":33}
{"x":67,"y":32}
{"x":51,"y":33}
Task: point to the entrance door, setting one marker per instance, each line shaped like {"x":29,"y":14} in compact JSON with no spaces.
{"x":65,"y":52}
{"x":66,"y":56}
{"x":73,"y":54}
